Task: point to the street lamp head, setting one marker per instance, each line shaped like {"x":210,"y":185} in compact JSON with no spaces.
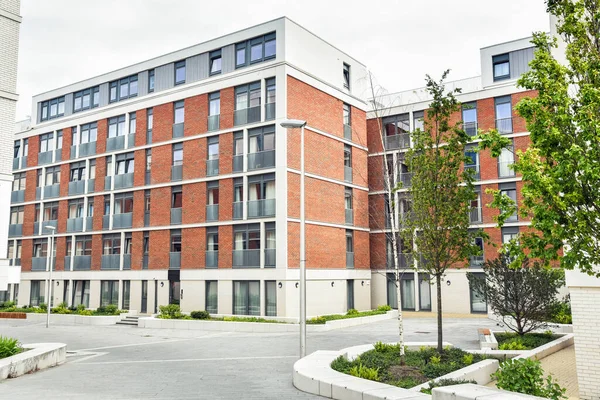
{"x":293,"y":123}
{"x":52,"y":228}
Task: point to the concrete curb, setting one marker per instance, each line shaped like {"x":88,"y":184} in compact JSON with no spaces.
{"x":74,"y":319}
{"x":38,"y":356}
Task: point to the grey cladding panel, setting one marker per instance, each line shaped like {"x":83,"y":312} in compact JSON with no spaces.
{"x":143,"y":83}
{"x":192,"y":69}
{"x":519,"y":61}
{"x":203,"y":62}
{"x":228,"y":58}
{"x":164,"y":77}
{"x":68,"y":104}
{"x":103,"y":94}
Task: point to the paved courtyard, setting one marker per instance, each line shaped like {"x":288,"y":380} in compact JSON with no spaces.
{"x":120,"y":362}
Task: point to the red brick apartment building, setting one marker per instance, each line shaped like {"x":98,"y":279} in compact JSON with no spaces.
{"x":172,"y":180}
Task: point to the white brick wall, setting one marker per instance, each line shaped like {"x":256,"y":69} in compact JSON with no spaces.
{"x":586,"y":327}
{"x":12,"y":6}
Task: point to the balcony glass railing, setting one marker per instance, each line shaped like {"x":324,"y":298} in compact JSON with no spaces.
{"x":15,"y":230}
{"x":87,"y":149}
{"x":45,"y":157}
{"x":212,"y":212}
{"x":261,"y":159}
{"x":475,"y":169}
{"x":504,"y":125}
{"x":349,"y":216}
{"x":174,"y":260}
{"x":123,"y":180}
{"x":176,"y":173}
{"x":75,"y":224}
{"x":394,"y":142}
{"x":126,"y":261}
{"x":123,"y":220}
{"x":18,"y":196}
{"x":212,"y":258}
{"x":175,"y":216}
{"x":475,"y":215}
{"x":76,"y":187}
{"x":347,"y":173}
{"x":212,"y":167}
{"x":476,"y":261}
{"x":270,"y":257}
{"x":347,"y":132}
{"x":238,"y":210}
{"x":238,"y":163}
{"x":39,"y":263}
{"x":111,"y":261}
{"x":269,"y":111}
{"x":246,"y":258}
{"x":51,"y":191}
{"x":470,"y":128}
{"x":213,"y":122}
{"x":178,"y":130}
{"x":349,"y":260}
{"x":261,"y":208}
{"x":246,"y":116}
{"x":114,"y":143}
{"x":82,"y":263}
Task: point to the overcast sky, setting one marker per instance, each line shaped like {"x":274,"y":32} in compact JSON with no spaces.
{"x":65,"y":41}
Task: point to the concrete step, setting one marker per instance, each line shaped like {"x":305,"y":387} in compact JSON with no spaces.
{"x":126,"y":322}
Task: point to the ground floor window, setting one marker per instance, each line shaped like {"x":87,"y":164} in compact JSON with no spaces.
{"x":81,"y":293}
{"x":109,"y":293}
{"x":270,"y":298}
{"x":350,"y":294}
{"x":15,"y":297}
{"x":126,"y":294}
{"x":424,"y":292}
{"x":246,"y":297}
{"x":478,"y":303}
{"x":407,"y":291}
{"x":212,"y":297}
{"x":66,"y":292}
{"x":37,"y":293}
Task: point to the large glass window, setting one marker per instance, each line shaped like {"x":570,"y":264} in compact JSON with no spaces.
{"x":111,"y":244}
{"x":124,"y":88}
{"x":261,"y":187}
{"x":503,"y":108}
{"x":126,"y":294}
{"x":17,"y":215}
{"x":501,"y":65}
{"x":151,"y":81}
{"x":53,"y":108}
{"x":469,"y":116}
{"x":270,"y":298}
{"x":255,"y":50}
{"x":177,"y":154}
{"x":76,"y":208}
{"x":109,"y":293}
{"x":132,"y":124}
{"x":212,"y":297}
{"x":510,"y":190}
{"x":123,"y":203}
{"x":83,"y":246}
{"x":37,"y":294}
{"x":52,"y":176}
{"x":505,"y":161}
{"x":19,"y":181}
{"x":179,"y":115}
{"x":247,"y":96}
{"x":214,"y":104}
{"x":89,"y":133}
{"x":77,"y":172}
{"x":261,"y":139}
{"x":246,"y":237}
{"x":86,"y":99}
{"x":246,"y":297}
{"x":176,"y":241}
{"x":125,"y":164}
{"x":51,"y":211}
{"x":346,"y":75}
{"x":116,"y":126}
{"x":478,"y":303}
{"x":81,"y":293}
{"x":424,"y":292}
{"x":46,"y":142}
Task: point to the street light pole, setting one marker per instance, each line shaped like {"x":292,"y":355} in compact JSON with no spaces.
{"x":301,"y":124}
{"x":49,"y":302}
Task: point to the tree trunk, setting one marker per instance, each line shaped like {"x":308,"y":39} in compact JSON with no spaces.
{"x":438,"y":281}
{"x":400,"y":321}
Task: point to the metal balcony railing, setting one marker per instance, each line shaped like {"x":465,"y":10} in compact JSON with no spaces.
{"x":476,"y":261}
{"x":261,"y":159}
{"x":246,"y":116}
{"x":246,"y":258}
{"x":261,"y":208}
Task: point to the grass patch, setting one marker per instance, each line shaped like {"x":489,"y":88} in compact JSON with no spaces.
{"x":512,"y":341}
{"x":350,"y":314}
{"x":421,"y":365}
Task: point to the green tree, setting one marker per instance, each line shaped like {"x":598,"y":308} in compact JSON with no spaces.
{"x":441,"y":192}
{"x":561,"y":168}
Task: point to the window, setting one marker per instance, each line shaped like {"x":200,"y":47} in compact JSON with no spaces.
{"x":213,"y":148}
{"x":151,"y":81}
{"x":475,"y":212}
{"x":246,"y":237}
{"x":270,"y":298}
{"x":180,"y":72}
{"x":214,"y":103}
{"x":123,"y":203}
{"x":124,"y":88}
{"x":261,"y":187}
{"x":39,"y":180}
{"x":109,"y":293}
{"x":255,"y":50}
{"x":478,"y":303}
{"x":81,"y":293}
{"x":126,"y":294}
{"x":51,"y":211}
{"x":40,"y":248}
{"x":89,"y":133}
{"x":469,"y":117}
{"x":509,"y":233}
{"x":212,"y":246}
{"x":125,"y":163}
{"x":17,"y":149}
{"x":132,"y":124}
{"x":90,"y":209}
{"x":76,"y":208}
{"x":212,"y":297}
{"x":150,"y":121}
{"x":147,"y":201}
{"x":212,"y":195}
{"x":148,"y":160}
{"x":477,"y":261}
{"x":246,"y":297}
{"x":19,"y":181}
{"x":37,"y":293}
{"x":261,"y":139}
{"x":92,"y":173}
{"x":396,"y":125}
{"x":146,"y":243}
{"x":505,"y":160}
{"x":472,"y":161}
{"x":59,"y":139}
{"x":270,"y":244}
{"x":179,"y":112}
{"x":128,"y":243}
{"x":176,"y":241}
{"x":346,"y":114}
{"x":348,"y":198}
{"x":215,"y":62}
{"x":86,"y":99}
{"x":83,"y":246}
{"x":349,"y":241}
{"x":510,"y":190}
{"x":503,"y":108}
{"x":77,"y":172}
{"x":116,"y":126}
{"x":424,"y":292}
{"x":501,"y":64}
{"x":52,"y":176}
{"x":418,"y":120}
{"x":53,"y":108}
{"x":16,"y":215}
{"x":346,"y":76}
{"x":46,"y":142}
{"x":177,"y":154}
{"x":25,"y":147}
{"x":176,"y":197}
{"x":247,"y":96}
{"x":111,"y":244}
{"x":271,"y":91}
{"x":347,"y":156}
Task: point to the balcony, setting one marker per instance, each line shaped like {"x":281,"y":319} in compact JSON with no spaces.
{"x":45,"y":231}
{"x":15,"y":230}
{"x":176,"y":173}
{"x":475,"y":169}
{"x":75,"y":225}
{"x":73,"y":152}
{"x":123,"y":220}
{"x":36,"y":228}
{"x":58,"y":156}
{"x":212,"y":212}
{"x":470,"y":128}
{"x":212,"y":258}
{"x":213,"y":122}
{"x":45,"y":157}
{"x":246,"y":258}
{"x":106,"y":222}
{"x":270,"y":257}
{"x":175,"y":216}
{"x":261,"y":159}
{"x":51,"y":191}
{"x":349,"y":260}
{"x":238,"y":163}
{"x":175,"y":260}
{"x":178,"y":130}
{"x":476,"y":261}
{"x":82,"y":263}
{"x":212,"y":167}
{"x":107,"y":182}
{"x":149,"y":136}
{"x":89,"y":222}
{"x":67,"y":263}
{"x":111,"y":261}
{"x":38,"y":263}
{"x":87,"y":149}
{"x":261,"y":208}
{"x":18,"y":196}
{"x":126,"y":261}
{"x":347,"y":173}
{"x":349,"y":216}
{"x":91,"y":185}
{"x":114,"y":143}
{"x":124,"y":180}
{"x":131,"y":140}
{"x":405,"y":178}
{"x":404,"y":261}
{"x":504,"y":125}
{"x":394,"y":142}
{"x":269,"y":111}
{"x":246,"y":116}
{"x":475,"y":215}
{"x":16,"y":163}
{"x":347,"y":132}
{"x":76,"y":187}
{"x":147,"y":177}
{"x":238,"y":209}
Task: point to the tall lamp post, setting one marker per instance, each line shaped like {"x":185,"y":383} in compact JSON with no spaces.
{"x":288,"y":124}
{"x":49,"y":303}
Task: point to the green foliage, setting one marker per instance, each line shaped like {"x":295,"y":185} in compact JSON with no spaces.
{"x":365,"y":372}
{"x":43,"y":307}
{"x":7,"y":304}
{"x":444,"y":382}
{"x":352,"y":312}
{"x":381,"y":347}
{"x":435,"y":360}
{"x":341,"y":364}
{"x":170,"y":311}
{"x":528,"y":341}
{"x":110,"y":309}
{"x":513,"y":345}
{"x":384,"y":308}
{"x":467,"y":359}
{"x":526,"y":376}
{"x":560,"y":312}
{"x":85,"y":312}
{"x":522,"y":296}
{"x":61,"y":309}
{"x":80,"y":307}
{"x":9,"y":347}
{"x":200,"y":314}
{"x":249,"y":319}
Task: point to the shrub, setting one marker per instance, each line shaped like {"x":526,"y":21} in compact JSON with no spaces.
{"x":7,"y":304}
{"x":80,"y":307}
{"x":316,"y":320}
{"x":111,"y":309}
{"x":200,"y":314}
{"x":560,"y":312}
{"x":444,"y":382}
{"x":526,"y":376}
{"x":528,"y":341}
{"x":341,"y":364}
{"x":435,"y":359}
{"x":9,"y":347}
{"x":85,"y":312}
{"x":43,"y":307}
{"x":352,"y":311}
{"x":384,"y":307}
{"x":514,"y":345}
{"x":467,"y":360}
{"x":171,"y":311}
{"x":361,"y":371}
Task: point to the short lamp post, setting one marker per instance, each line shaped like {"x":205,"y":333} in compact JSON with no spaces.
{"x":289,"y":124}
{"x":52,"y":229}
